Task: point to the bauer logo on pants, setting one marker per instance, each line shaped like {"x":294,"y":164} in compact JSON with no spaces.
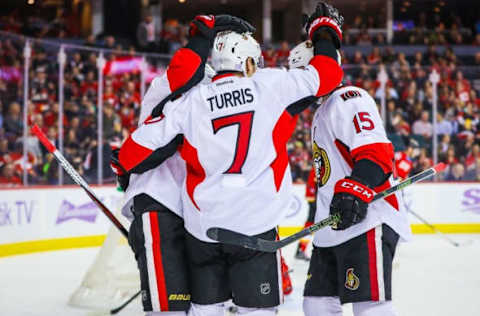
{"x":352,"y":282}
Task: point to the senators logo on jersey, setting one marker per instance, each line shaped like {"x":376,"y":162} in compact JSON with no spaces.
{"x":352,"y":282}
{"x":321,"y":165}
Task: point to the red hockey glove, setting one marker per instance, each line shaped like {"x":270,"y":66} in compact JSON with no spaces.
{"x":202,"y":25}
{"x":350,"y":201}
{"x":325,"y":19}
{"x":123,"y":177}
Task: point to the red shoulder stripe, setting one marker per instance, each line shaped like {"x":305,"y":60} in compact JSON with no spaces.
{"x":329,"y":72}
{"x":182,"y":67}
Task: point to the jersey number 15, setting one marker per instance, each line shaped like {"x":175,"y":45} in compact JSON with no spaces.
{"x":365,"y":122}
{"x":244,"y":123}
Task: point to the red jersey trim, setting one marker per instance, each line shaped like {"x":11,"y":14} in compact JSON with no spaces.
{"x":131,"y":154}
{"x":392,"y":199}
{"x":195,"y":172}
{"x":158,"y":261}
{"x":344,"y":152}
{"x":182,"y":67}
{"x":372,"y":264}
{"x":380,"y":153}
{"x":280,"y":135}
{"x":218,"y":77}
{"x":329,"y":72}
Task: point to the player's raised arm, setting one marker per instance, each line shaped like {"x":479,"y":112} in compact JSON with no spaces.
{"x":322,"y":74}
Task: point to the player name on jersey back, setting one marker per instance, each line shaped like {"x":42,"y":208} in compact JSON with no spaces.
{"x":230,"y":99}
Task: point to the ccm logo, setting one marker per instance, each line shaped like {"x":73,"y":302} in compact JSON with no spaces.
{"x":323,"y":21}
{"x":356,"y":188}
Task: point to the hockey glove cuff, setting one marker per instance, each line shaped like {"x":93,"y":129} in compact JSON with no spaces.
{"x":325,"y":22}
{"x":123,"y":177}
{"x":203,"y":25}
{"x":350,"y":201}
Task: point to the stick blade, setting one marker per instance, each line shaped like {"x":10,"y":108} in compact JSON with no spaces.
{"x":232,"y":238}
{"x":226,"y":236}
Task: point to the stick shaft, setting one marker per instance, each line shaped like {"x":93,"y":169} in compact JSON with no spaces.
{"x":121,"y":307}
{"x":77,"y":178}
{"x":271,"y":246}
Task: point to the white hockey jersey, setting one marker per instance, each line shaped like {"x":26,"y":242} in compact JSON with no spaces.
{"x":164,"y":183}
{"x":348,"y":125}
{"x":234,"y":143}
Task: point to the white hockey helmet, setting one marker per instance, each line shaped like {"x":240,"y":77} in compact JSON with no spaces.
{"x":231,"y":51}
{"x":301,"y":55}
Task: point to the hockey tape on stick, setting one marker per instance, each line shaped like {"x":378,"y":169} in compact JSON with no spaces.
{"x":234,"y":238}
{"x":77,"y":178}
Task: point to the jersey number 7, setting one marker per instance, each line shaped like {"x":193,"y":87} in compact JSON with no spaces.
{"x":244,"y":122}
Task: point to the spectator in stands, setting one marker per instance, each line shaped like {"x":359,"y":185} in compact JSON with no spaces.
{"x":13,"y":123}
{"x":146,"y":34}
{"x":109,"y":42}
{"x":456,"y":173}
{"x":473,"y":172}
{"x":8,"y":176}
{"x":282,"y":54}
{"x":423,"y":126}
{"x":443,"y":127}
{"x":90,"y":41}
{"x":269,"y":56}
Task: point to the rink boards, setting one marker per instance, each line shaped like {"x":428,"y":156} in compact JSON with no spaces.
{"x":42,"y":218}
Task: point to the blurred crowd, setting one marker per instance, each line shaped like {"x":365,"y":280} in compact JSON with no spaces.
{"x":365,"y":30}
{"x":408,"y":95}
{"x":409,"y":106}
{"x":121,"y":101}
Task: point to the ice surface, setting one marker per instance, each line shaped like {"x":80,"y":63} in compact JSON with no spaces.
{"x":431,"y":278}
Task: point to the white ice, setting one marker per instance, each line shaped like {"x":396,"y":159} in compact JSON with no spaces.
{"x":431,"y":278}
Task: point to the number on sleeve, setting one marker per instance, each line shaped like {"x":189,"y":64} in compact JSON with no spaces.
{"x":244,"y":123}
{"x":365,"y":122}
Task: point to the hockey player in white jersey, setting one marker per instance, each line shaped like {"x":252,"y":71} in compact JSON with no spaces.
{"x":234,"y":133}
{"x":353,"y":159}
{"x":157,"y":232}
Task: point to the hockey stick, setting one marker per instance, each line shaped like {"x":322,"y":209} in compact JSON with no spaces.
{"x":77,"y":178}
{"x":230,"y":237}
{"x":436,"y":230}
{"x":81,"y":182}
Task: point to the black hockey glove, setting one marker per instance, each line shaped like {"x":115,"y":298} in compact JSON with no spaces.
{"x":350,"y":201}
{"x":226,"y":22}
{"x":208,"y":25}
{"x":123,"y":177}
{"x":325,"y":22}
